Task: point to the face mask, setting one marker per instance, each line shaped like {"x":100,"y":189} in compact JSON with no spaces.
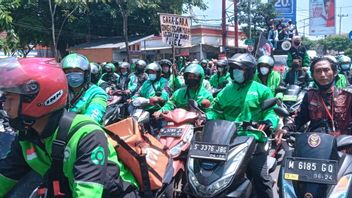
{"x":345,"y":67}
{"x":152,"y":77}
{"x":75,"y":79}
{"x":295,"y":65}
{"x":166,"y":70}
{"x":139,"y":70}
{"x":264,"y":70}
{"x":220,"y":69}
{"x":192,"y":83}
{"x":238,"y":76}
{"x":124,"y":73}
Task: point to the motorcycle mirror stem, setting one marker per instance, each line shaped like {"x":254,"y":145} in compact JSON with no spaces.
{"x":268,"y":103}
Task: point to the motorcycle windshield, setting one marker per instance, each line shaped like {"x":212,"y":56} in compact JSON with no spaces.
{"x":217,"y":132}
{"x":293,"y":90}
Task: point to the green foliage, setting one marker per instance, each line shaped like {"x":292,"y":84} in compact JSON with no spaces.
{"x":261,"y":13}
{"x":6,"y":7}
{"x":336,"y":43}
{"x":309,"y":44}
{"x":348,"y":52}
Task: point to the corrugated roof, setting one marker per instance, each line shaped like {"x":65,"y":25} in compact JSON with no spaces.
{"x":111,"y":42}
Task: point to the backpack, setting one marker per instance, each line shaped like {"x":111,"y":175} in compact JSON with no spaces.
{"x":141,"y":153}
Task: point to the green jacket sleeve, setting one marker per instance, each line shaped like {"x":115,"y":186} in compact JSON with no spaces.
{"x":289,"y":60}
{"x":306,"y":60}
{"x":171,"y":103}
{"x":97,"y":107}
{"x":270,"y":114}
{"x":213,"y":80}
{"x":341,"y":81}
{"x":133,"y":84}
{"x":216,"y":109}
{"x":6,"y":184}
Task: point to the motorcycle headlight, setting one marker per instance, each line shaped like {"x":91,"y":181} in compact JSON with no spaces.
{"x":234,"y":159}
{"x":341,"y":188}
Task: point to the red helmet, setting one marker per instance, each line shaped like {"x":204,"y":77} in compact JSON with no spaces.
{"x":40,"y":81}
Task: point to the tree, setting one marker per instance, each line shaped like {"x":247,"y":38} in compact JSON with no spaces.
{"x":309,"y":44}
{"x":260,"y":17}
{"x":336,"y":43}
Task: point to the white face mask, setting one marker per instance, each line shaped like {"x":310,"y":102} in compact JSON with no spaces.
{"x":220,"y":69}
{"x":152,"y":76}
{"x":238,"y":76}
{"x":264,"y":70}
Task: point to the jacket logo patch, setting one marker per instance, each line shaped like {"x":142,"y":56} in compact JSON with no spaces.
{"x":31,"y":154}
{"x":314,"y":140}
{"x":98,"y":156}
{"x":67,"y":153}
{"x":54,"y":98}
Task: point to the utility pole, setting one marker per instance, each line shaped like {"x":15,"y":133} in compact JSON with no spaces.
{"x":235,"y":2}
{"x":341,"y":16}
{"x":223,"y":24}
{"x":249,"y":18}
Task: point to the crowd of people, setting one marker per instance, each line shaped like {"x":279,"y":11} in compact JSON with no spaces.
{"x":40,"y":95}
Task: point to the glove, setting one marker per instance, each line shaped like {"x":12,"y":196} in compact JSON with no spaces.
{"x":205,"y":103}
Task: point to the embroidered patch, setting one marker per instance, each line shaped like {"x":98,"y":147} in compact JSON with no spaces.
{"x":98,"y":156}
{"x":314,"y":140}
{"x":31,"y":154}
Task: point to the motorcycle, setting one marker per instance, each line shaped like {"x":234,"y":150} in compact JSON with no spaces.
{"x":217,"y":164}
{"x":117,"y":108}
{"x":315,"y":165}
{"x":177,"y":136}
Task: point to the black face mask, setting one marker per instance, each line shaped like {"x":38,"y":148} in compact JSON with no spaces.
{"x":297,"y":43}
{"x":192,"y":83}
{"x":324,"y":87}
{"x":139,"y":70}
{"x":295,"y":65}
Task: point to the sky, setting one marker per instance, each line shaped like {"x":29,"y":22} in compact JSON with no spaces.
{"x":213,"y":14}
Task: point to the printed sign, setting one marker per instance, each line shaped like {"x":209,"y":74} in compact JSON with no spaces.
{"x":175,"y":30}
{"x":285,"y":8}
{"x":322,"y":17}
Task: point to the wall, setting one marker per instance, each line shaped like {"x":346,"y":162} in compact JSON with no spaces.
{"x":97,"y":55}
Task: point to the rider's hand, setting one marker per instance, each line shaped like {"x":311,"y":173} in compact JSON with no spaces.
{"x":157,"y":114}
{"x":127,"y":92}
{"x":205,"y":103}
{"x":278,"y":135}
{"x":153,"y":100}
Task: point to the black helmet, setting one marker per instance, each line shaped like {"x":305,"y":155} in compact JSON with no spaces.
{"x":204,"y":61}
{"x":245,"y":61}
{"x":165,"y":62}
{"x":140,"y":66}
{"x":95,"y":72}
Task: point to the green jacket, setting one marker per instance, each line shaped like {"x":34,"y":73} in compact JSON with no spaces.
{"x":175,"y":82}
{"x":341,"y":81}
{"x":88,"y":158}
{"x":217,"y":81}
{"x":181,"y":96}
{"x":237,"y":103}
{"x":273,"y":80}
{"x":136,"y":81}
{"x":92,"y":103}
{"x":150,"y":88}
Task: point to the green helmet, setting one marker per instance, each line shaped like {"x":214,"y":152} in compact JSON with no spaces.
{"x":95,"y":72}
{"x":343,"y":59}
{"x":194,"y":69}
{"x":72,"y":61}
{"x":266,"y":60}
{"x":109,"y":67}
{"x":77,"y":61}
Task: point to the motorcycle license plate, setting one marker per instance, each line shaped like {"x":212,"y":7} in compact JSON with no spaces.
{"x":290,"y":98}
{"x":209,"y":151}
{"x":311,"y":170}
{"x":171,"y":132}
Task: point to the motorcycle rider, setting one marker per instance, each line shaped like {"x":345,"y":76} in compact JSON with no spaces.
{"x":96,"y":72}
{"x":138,"y":77}
{"x":340,"y":80}
{"x":123,"y":80}
{"x":36,"y":95}
{"x":84,"y":97}
{"x":265,"y":73}
{"x":240,"y":101}
{"x":171,"y":75}
{"x":109,"y":74}
{"x":207,"y":70}
{"x":298,"y":50}
{"x":326,"y":107}
{"x":193,"y":75}
{"x":221,"y":78}
{"x":344,"y":64}
{"x":296,"y":74}
{"x":156,"y":88}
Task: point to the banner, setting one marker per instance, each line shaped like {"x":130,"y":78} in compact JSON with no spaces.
{"x":322,"y":17}
{"x":263,"y":47}
{"x":285,"y":8}
{"x":175,"y":30}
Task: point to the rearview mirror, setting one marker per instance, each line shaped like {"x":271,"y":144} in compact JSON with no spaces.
{"x":280,"y":89}
{"x":268,"y":103}
{"x":281,"y":112}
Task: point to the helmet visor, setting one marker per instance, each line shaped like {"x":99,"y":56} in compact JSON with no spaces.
{"x":14,"y":78}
